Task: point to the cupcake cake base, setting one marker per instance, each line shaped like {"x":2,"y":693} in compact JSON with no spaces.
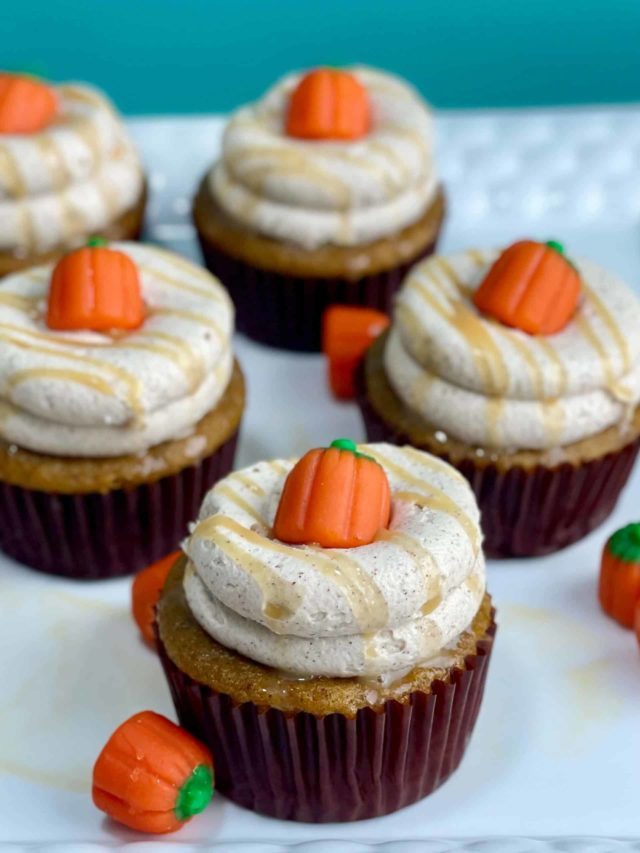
{"x":322,"y":750}
{"x":92,"y":519}
{"x":127,"y":226}
{"x":532,"y":502}
{"x":281,"y":291}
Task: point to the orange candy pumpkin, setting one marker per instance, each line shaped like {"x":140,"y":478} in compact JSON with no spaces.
{"x":636,"y":622}
{"x":329,"y":104}
{"x":347,"y":332}
{"x":26,"y":104}
{"x":531,"y":287}
{"x":95,"y":288}
{"x":152,"y":775}
{"x":334,"y":497}
{"x":619,"y":588}
{"x":145,"y":592}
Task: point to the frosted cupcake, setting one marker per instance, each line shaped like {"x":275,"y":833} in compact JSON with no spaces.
{"x":523,"y":370}
{"x":120,"y":404}
{"x":325,"y":192}
{"x":67,"y":170}
{"x":329,"y":622}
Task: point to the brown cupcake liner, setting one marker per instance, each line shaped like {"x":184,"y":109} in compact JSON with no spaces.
{"x":528,"y":512}
{"x":286,"y":311}
{"x":97,"y":536}
{"x":298,"y":766}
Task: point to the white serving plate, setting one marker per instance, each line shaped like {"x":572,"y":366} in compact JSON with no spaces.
{"x":554,"y":763}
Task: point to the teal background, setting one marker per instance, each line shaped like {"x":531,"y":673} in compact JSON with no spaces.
{"x":167,"y":56}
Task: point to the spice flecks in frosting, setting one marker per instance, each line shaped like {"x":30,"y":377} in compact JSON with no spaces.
{"x":93,"y":394}
{"x":71,"y":179}
{"x":494,"y":386}
{"x":328,"y":192}
{"x":311,"y":610}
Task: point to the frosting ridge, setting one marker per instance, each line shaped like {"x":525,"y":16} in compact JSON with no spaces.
{"x":68,"y":180}
{"x":494,"y":386}
{"x":92,"y":394}
{"x":328,"y":192}
{"x":339,"y":612}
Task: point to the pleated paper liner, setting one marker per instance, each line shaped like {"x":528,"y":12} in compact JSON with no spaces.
{"x":527,"y":512}
{"x":322,"y":769}
{"x":286,"y":311}
{"x":98,"y":536}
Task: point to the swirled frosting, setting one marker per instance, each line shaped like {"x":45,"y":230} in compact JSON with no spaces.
{"x":91,"y":394}
{"x":69,"y":180}
{"x":337,"y":612}
{"x":314,"y":193}
{"x":496,"y":387}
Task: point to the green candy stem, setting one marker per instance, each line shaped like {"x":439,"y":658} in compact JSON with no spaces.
{"x":557,"y":247}
{"x":625,"y":543}
{"x":349,"y":445}
{"x":195,"y":795}
{"x":96,"y":242}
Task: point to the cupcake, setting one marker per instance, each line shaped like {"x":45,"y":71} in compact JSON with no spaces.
{"x":325,"y":192}
{"x":120,"y":406}
{"x":522,"y":369}
{"x":327,"y":633}
{"x":67,"y":171}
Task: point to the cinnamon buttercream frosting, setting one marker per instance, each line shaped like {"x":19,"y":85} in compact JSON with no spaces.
{"x":493,"y":386}
{"x":363,"y":611}
{"x":313,"y":193}
{"x":93,"y":394}
{"x":71,"y":179}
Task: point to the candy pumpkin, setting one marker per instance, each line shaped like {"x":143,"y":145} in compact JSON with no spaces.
{"x":329,"y":104}
{"x":145,"y":592}
{"x":347,"y":332}
{"x":95,"y":288}
{"x":26,"y":104}
{"x":335,"y":497}
{"x":152,"y":775}
{"x":619,"y":588}
{"x":531,"y":287}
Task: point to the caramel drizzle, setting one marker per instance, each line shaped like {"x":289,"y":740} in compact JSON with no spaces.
{"x":494,"y":410}
{"x":245,"y":506}
{"x":249,"y":483}
{"x":132,"y":384}
{"x":193,"y":316}
{"x":487,"y":355}
{"x":182,"y":265}
{"x":365,"y":599}
{"x":612,"y":326}
{"x":561,"y":371}
{"x":21,"y":303}
{"x":590,"y":335}
{"x":96,"y":383}
{"x":279,"y":467}
{"x":286,"y":161}
{"x":55,"y":162}
{"x":421,"y":557}
{"x":11,"y":177}
{"x":427,"y":494}
{"x":204,"y":293}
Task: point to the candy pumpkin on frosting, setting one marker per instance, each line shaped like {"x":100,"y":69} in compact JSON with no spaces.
{"x":619,"y":589}
{"x":334,"y":497}
{"x":152,"y":775}
{"x":95,"y":288}
{"x":532,"y":287}
{"x":145,"y":592}
{"x":329,"y":104}
{"x":26,"y":105}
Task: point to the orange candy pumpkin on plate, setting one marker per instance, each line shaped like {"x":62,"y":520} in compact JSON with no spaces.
{"x":619,"y":588}
{"x":532,"y":287}
{"x":329,"y":104}
{"x":152,"y":775}
{"x":26,"y":105}
{"x":145,"y":592}
{"x":347,"y":332}
{"x":95,"y":288}
{"x":335,"y":497}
